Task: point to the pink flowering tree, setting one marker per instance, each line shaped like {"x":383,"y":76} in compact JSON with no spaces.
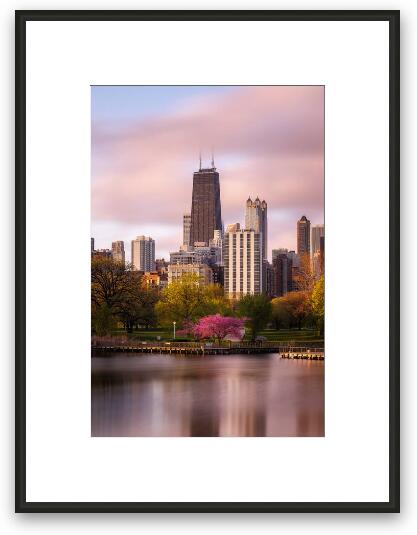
{"x":218,"y":327}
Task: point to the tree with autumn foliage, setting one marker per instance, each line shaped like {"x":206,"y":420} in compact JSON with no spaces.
{"x":292,"y":309}
{"x":317,"y":304}
{"x":304,"y":277}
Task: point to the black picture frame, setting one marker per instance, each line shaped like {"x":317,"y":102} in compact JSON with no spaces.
{"x":393,"y":505}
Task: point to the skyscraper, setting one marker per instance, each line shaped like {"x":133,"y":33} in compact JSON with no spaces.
{"x":186,"y":226}
{"x":206,"y":213}
{"x":256,"y":218}
{"x":143,"y":253}
{"x":217,"y":243}
{"x":282,"y":274}
{"x":317,"y":231}
{"x":243,"y":266}
{"x":303,"y":236}
{"x":92,"y":245}
{"x":276,"y":252}
{"x":118,"y":251}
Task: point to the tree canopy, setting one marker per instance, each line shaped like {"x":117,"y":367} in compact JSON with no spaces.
{"x":256,"y":309}
{"x":317,"y":303}
{"x":117,"y":293}
{"x":186,"y":300}
{"x":292,"y":310}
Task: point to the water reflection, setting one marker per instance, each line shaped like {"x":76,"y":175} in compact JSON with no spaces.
{"x":231,"y":396}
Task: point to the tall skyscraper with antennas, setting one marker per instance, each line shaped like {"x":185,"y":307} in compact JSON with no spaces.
{"x":206,"y":212}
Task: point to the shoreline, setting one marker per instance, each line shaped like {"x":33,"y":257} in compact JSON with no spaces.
{"x":288,"y":352}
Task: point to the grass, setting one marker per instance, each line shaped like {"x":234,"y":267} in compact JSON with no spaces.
{"x":282,"y":335}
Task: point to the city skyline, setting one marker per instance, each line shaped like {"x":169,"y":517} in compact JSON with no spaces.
{"x":140,"y":190}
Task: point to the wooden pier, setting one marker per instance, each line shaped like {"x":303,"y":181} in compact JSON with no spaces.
{"x":197,"y":348}
{"x":303,"y":354}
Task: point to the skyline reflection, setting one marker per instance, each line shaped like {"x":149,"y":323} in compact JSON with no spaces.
{"x":226,"y":396}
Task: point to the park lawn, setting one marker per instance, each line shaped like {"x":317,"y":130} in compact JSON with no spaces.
{"x":286,"y":335}
{"x":282,"y":335}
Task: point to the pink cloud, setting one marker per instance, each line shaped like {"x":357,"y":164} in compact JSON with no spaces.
{"x":268,"y":141}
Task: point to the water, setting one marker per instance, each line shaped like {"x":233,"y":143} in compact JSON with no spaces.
{"x":230,"y":396}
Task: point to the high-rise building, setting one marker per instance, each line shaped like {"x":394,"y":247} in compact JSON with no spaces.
{"x":243,"y":265}
{"x":233,"y":227}
{"x":206,"y":213}
{"x":303,"y":236}
{"x":282,"y":275}
{"x":256,"y":218}
{"x":294,"y":258}
{"x":268,"y":278}
{"x":196,"y":255}
{"x":101,"y":253}
{"x":118,"y":251}
{"x":317,"y":231}
{"x":186,"y":227}
{"x":322,"y":254}
{"x":218,"y":274}
{"x":143,"y":253}
{"x":276,"y":252}
{"x":217,"y":244}
{"x":92,"y":244}
{"x":203,"y":271}
{"x":161,"y":266}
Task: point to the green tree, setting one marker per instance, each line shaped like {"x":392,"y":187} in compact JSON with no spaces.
{"x":102,"y":320}
{"x":149,"y":298}
{"x":119,"y":287}
{"x":185,"y":300}
{"x":317,"y":304}
{"x":257,"y":310}
{"x":216,"y":302}
{"x":280,"y":313}
{"x":130,"y":309}
{"x":111,"y":282}
{"x":299,"y":307}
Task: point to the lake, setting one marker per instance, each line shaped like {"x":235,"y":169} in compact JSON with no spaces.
{"x":206,"y":396}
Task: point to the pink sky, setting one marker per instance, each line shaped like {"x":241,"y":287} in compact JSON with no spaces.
{"x":268,"y":142}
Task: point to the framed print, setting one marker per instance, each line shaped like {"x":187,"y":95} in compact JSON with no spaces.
{"x":218,"y":329}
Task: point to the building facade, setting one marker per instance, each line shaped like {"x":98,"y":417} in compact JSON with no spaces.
{"x":317,"y":231}
{"x":196,"y":255}
{"x":143,"y":253}
{"x":276,"y":252}
{"x":303,"y":236}
{"x":101,"y":253}
{"x":153,"y":280}
{"x":118,"y":251}
{"x":256,"y":218}
{"x":186,"y":227}
{"x":282,"y":275}
{"x":206,"y":214}
{"x":161,"y":266}
{"x":217,"y":244}
{"x":243,"y":265}
{"x":203,"y":271}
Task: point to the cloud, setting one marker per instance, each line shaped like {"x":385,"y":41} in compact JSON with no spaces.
{"x":268,"y":141}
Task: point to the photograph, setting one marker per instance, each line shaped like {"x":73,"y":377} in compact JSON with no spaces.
{"x":207,"y":261}
{"x":199,"y":309}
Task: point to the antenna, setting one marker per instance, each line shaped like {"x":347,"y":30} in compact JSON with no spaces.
{"x":200,"y":160}
{"x":212,"y":159}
